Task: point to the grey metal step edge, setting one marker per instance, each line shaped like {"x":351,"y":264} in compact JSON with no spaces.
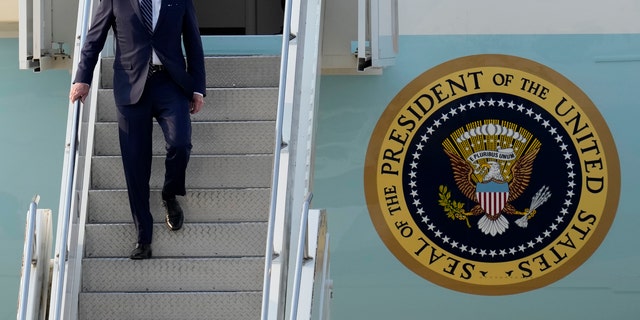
{"x":173,"y":275}
{"x":208,"y":138}
{"x":199,"y":205}
{"x":193,"y":240}
{"x":211,"y":171}
{"x":219,"y":104}
{"x":183,"y":306}
{"x":236,"y":71}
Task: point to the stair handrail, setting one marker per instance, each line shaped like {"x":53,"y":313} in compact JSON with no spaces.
{"x":28,"y":258}
{"x":286,"y":31}
{"x":301,"y":256}
{"x":63,"y":238}
{"x":66,"y":214}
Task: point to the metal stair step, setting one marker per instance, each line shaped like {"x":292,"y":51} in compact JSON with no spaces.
{"x":231,"y":239}
{"x":227,"y":171}
{"x":213,"y":267}
{"x":208,"y":138}
{"x":220,"y":104}
{"x":187,"y":274}
{"x":242,"y":71}
{"x":170,"y":306}
{"x":201,"y":205}
{"x":224,"y":71}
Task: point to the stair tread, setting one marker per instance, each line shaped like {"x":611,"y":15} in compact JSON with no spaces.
{"x":199,"y":205}
{"x":173,"y":274}
{"x":224,"y":71}
{"x":218,"y":171}
{"x":238,"y":137}
{"x":204,"y":122}
{"x":230,"y":104}
{"x":171,"y":306}
{"x":194,"y":239}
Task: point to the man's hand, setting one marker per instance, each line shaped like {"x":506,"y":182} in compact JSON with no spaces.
{"x":78,"y":91}
{"x":196,"y":103}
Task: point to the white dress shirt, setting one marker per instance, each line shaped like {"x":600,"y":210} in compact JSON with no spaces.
{"x":156,"y":13}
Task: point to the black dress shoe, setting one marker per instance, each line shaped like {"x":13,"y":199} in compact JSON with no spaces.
{"x":175,"y":217}
{"x":142,"y":251}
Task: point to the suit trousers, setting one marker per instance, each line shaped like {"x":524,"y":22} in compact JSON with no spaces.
{"x":163,"y":100}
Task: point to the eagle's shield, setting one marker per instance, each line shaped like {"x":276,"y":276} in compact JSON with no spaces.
{"x":492,"y":196}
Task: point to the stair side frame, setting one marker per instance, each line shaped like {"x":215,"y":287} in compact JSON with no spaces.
{"x":296,"y":171}
{"x":81,"y":184}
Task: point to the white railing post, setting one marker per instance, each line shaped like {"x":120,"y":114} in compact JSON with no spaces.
{"x":301,"y":256}
{"x":34,"y":282}
{"x":29,"y":244}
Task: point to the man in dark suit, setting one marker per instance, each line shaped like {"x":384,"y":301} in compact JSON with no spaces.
{"x":151,"y":80}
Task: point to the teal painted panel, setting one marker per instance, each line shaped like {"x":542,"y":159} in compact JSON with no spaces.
{"x":242,"y":45}
{"x":33,"y":115}
{"x":369,"y":283}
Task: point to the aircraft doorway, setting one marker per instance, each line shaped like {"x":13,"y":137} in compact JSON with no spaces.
{"x":239,"y":17}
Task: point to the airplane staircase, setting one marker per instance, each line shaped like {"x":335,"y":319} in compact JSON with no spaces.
{"x":213,"y":267}
{"x":244,"y":202}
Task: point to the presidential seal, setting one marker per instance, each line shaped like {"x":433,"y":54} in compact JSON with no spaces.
{"x":492,"y":175}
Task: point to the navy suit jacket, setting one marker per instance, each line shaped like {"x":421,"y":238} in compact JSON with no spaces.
{"x":176,"y":25}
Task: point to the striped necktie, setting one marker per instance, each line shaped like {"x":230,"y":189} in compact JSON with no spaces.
{"x":146,"y":8}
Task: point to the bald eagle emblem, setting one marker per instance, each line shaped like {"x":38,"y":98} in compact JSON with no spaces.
{"x":492,"y":162}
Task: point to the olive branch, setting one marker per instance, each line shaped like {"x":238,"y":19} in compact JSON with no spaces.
{"x":454,"y":209}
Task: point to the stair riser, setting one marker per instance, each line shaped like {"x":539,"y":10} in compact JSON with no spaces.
{"x":202,"y":172}
{"x":170,"y":306}
{"x":225,"y":205}
{"x":193,"y":240}
{"x":207,"y":138}
{"x":220,"y":104}
{"x":211,"y":275}
{"x":224,"y":72}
